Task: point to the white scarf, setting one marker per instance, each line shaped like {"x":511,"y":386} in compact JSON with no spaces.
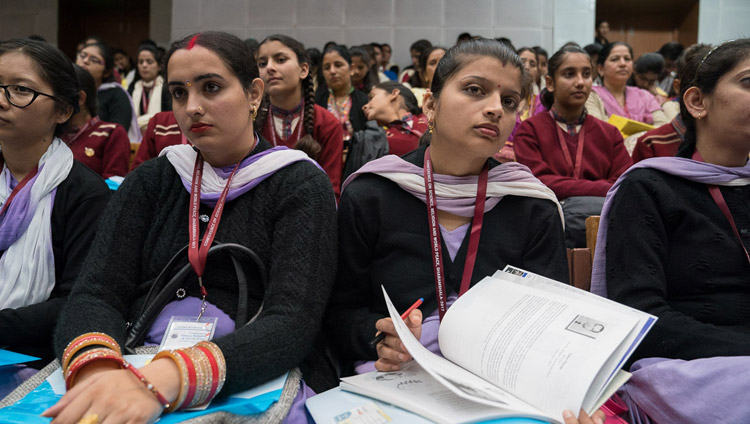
{"x":182,"y":157}
{"x":154,"y":102}
{"x":27,"y":268}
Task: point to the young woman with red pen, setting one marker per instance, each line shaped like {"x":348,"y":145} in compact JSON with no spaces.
{"x":275,"y":201}
{"x":391,"y":234}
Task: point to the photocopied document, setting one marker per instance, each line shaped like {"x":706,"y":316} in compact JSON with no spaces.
{"x":515,"y":345}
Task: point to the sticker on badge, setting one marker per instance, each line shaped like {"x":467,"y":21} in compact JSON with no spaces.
{"x":185,"y":332}
{"x":368,"y":413}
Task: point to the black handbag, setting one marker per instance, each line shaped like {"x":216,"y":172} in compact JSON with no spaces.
{"x":163,"y":289}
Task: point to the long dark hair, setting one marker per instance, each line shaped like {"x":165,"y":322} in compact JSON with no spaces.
{"x":709,"y":68}
{"x":547,"y":97}
{"x":410,"y":100}
{"x":158,"y":57}
{"x":370,"y":78}
{"x":306,"y":143}
{"x":87,"y":85}
{"x":423,"y":58}
{"x":55,"y":69}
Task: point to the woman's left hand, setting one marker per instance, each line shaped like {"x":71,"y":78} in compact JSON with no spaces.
{"x":115,"y":396}
{"x":597,"y":417}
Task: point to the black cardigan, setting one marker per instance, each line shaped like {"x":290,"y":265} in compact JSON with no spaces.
{"x":384,"y":239}
{"x":357,"y":115}
{"x":79,"y":202}
{"x":288,"y":220}
{"x":672,"y":253}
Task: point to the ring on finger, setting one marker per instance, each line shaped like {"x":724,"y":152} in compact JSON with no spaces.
{"x":89,"y":419}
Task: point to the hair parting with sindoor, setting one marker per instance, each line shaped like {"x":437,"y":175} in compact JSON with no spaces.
{"x":307,"y":142}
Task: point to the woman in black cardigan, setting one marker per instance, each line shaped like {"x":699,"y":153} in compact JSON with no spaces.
{"x":278,"y":203}
{"x":342,"y":100}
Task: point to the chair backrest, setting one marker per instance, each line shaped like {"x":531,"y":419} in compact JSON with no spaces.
{"x":592,"y":231}
{"x":133,"y":150}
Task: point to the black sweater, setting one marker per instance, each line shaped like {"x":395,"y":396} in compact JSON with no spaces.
{"x":79,"y":202}
{"x":672,"y":253}
{"x":384,"y":239}
{"x":288,"y":220}
{"x":357,"y":115}
{"x":114,"y":106}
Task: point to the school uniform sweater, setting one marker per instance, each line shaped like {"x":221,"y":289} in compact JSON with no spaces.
{"x":329,"y":133}
{"x":605,"y":158}
{"x":672,"y":253}
{"x":384,"y":239}
{"x":104,"y":147}
{"x":661,"y":141}
{"x":162,"y":131}
{"x":288,"y":220}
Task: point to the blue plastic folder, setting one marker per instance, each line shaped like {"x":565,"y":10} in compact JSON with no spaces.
{"x":11,"y":358}
{"x":253,"y":401}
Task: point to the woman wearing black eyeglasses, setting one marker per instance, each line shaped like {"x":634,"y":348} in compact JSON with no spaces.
{"x":49,"y":203}
{"x":115,"y":104}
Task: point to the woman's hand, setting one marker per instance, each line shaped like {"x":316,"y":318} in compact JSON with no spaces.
{"x":597,"y":418}
{"x":116,"y":395}
{"x":391,"y":351}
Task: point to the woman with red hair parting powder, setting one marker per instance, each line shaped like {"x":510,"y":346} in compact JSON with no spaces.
{"x":232,"y":185}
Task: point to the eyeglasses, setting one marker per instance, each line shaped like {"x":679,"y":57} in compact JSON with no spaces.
{"x":93,"y":59}
{"x":20,"y":96}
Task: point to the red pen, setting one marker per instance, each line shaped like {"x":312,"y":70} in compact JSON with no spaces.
{"x":379,"y":338}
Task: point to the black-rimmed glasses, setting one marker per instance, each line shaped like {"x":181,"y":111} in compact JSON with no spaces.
{"x":20,"y":96}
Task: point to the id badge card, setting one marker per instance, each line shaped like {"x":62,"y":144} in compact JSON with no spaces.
{"x":185,"y":332}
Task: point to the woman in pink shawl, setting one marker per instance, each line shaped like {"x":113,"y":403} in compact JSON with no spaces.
{"x":614,"y":96}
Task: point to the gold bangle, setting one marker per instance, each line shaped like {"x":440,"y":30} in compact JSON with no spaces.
{"x":184,"y":381}
{"x":220,"y":361}
{"x":202,"y":376}
{"x":86,"y":340}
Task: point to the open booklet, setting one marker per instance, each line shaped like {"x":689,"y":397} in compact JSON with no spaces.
{"x":515,"y":345}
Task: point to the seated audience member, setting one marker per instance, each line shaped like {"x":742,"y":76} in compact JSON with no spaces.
{"x":162,"y":131}
{"x":102,"y":146}
{"x":602,"y":30}
{"x":530,"y":64}
{"x":541,"y":65}
{"x":394,"y":107}
{"x":273,"y":201}
{"x":390,"y":69}
{"x":288,"y":115}
{"x":576,"y":155}
{"x":342,"y":100}
{"x":614,"y":96}
{"x":376,"y":55}
{"x":50,"y":202}
{"x":646,"y":72}
{"x":671,"y":53}
{"x":363,"y":78}
{"x":593,"y":50}
{"x":124,"y":66}
{"x":149,"y":94}
{"x":410,"y":75}
{"x":114,"y":102}
{"x":673,"y":241}
{"x":383,"y":226}
{"x":428,"y":61}
{"x":666,"y":139}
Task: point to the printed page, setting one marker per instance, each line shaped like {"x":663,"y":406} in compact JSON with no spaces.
{"x":621,"y":354}
{"x":543,"y":348}
{"x":458,"y":380}
{"x":413,"y":389}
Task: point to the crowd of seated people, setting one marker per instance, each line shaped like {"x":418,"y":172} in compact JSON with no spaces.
{"x":256,"y":136}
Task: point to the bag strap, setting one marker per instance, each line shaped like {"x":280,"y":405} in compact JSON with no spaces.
{"x":161,"y":293}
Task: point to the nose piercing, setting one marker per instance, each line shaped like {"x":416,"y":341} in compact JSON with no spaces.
{"x":200,"y":110}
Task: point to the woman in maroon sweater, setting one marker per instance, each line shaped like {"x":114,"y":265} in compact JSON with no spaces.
{"x":289,"y":116}
{"x":576,"y":155}
{"x":102,"y":146}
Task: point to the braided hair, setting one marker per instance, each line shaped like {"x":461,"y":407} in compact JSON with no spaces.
{"x":307,"y":142}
